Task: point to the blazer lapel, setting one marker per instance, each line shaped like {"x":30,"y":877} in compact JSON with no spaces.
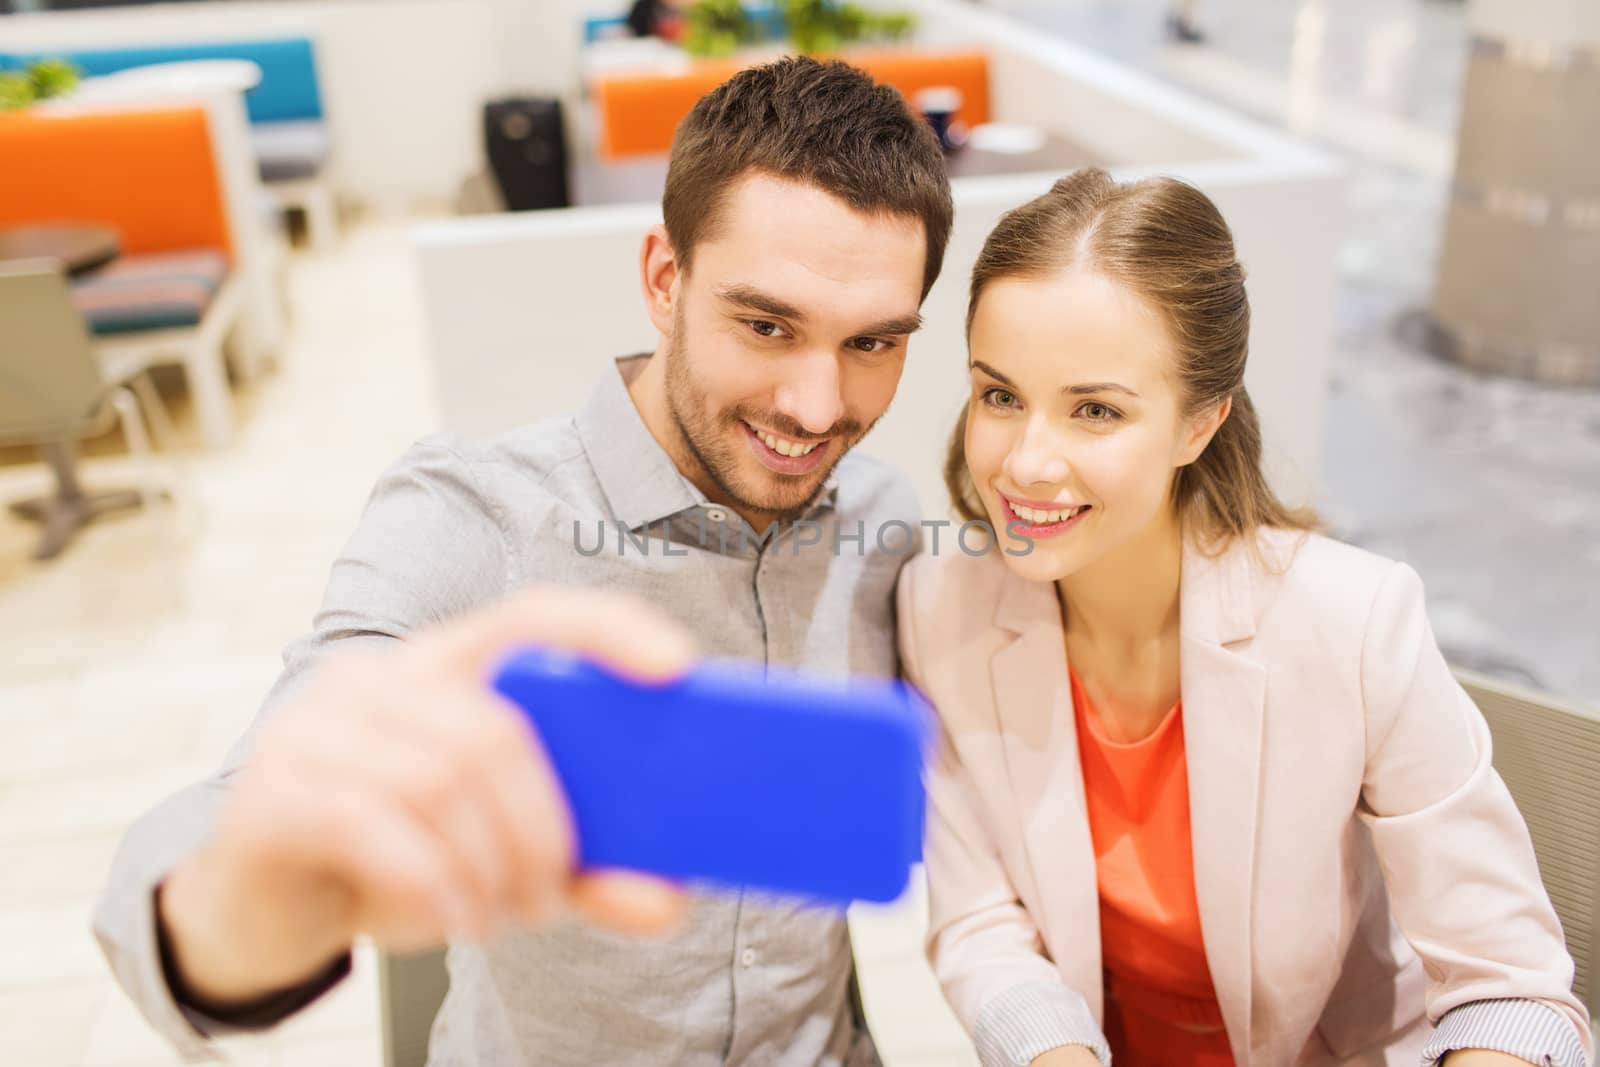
{"x":1034,"y":706}
{"x":1224,"y":701}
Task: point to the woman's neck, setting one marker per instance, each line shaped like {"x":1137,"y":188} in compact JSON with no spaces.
{"x":1121,"y":617}
{"x":1129,"y":599}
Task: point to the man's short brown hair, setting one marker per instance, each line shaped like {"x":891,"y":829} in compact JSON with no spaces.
{"x":826,"y":124}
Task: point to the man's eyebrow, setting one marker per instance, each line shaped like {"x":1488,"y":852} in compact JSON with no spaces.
{"x":899,"y":325}
{"x":755,"y":300}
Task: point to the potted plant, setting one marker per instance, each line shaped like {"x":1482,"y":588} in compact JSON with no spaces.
{"x":718,"y":28}
{"x":42,"y":80}
{"x":821,"y":26}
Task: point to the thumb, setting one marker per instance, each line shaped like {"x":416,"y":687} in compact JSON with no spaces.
{"x":625,"y":633}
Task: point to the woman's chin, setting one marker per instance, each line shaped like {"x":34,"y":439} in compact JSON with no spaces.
{"x":1038,"y":565}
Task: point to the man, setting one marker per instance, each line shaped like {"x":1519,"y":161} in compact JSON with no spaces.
{"x":385,"y":791}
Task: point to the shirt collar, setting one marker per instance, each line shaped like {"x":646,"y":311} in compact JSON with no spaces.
{"x":638,"y":478}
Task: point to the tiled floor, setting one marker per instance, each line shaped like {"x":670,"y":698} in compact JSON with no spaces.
{"x":1491,"y":488}
{"x":173,"y":607}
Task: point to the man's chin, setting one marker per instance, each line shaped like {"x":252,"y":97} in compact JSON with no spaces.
{"x":778,"y":496}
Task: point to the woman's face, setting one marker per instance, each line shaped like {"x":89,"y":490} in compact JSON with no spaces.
{"x":1074,"y":426}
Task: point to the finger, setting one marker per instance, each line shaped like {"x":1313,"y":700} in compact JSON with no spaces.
{"x":519,"y":809}
{"x":374,"y":742}
{"x":629,"y":903}
{"x":411,"y":766}
{"x":625,"y":633}
{"x":407,"y":892}
{"x":534,"y":812}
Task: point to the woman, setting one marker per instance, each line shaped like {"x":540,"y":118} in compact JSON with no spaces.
{"x":1207,"y":792}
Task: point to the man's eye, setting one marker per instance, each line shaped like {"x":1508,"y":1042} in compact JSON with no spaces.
{"x":765,"y":328}
{"x":870,"y":344}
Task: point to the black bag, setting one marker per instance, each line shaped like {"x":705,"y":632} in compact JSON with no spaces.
{"x":527,"y":150}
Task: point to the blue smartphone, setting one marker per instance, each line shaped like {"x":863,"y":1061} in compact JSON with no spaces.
{"x":735,"y":774}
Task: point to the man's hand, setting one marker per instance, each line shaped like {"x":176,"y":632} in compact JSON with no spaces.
{"x":399,"y":796}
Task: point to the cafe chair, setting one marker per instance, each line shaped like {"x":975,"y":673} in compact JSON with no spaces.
{"x":52,"y":393}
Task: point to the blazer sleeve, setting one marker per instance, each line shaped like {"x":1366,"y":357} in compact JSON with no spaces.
{"x":985,"y":949}
{"x":1463,"y":881}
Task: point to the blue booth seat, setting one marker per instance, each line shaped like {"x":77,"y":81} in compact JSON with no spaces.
{"x":285,"y":110}
{"x":288,"y":91}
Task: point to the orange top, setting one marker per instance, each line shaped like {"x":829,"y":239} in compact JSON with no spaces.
{"x":1161,"y":1008}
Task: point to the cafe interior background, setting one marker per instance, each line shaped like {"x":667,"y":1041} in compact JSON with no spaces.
{"x":263,"y":245}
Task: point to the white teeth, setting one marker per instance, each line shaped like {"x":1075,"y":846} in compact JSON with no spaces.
{"x":1044,"y":518}
{"x":787,"y":448}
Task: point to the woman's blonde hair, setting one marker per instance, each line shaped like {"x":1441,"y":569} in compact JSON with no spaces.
{"x":1167,"y":242}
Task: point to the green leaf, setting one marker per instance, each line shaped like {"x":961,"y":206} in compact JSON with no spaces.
{"x":16,"y":90}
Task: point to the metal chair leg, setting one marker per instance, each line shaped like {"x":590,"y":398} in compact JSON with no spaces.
{"x":155,"y":410}
{"x":127,"y":408}
{"x":69,"y":509}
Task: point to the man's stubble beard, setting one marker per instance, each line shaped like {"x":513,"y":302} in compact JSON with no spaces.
{"x":706,"y":438}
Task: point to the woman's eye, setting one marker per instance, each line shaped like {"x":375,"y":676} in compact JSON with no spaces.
{"x":1099,"y":412}
{"x":1000,"y":398}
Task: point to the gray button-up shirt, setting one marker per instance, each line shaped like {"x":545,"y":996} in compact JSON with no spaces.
{"x":593,"y":500}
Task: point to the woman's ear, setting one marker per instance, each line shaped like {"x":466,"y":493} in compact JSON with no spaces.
{"x":658,"y":276}
{"x":1201,"y":428}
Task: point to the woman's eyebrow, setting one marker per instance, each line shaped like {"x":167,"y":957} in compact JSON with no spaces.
{"x":1098,"y":387}
{"x":1071,"y":390}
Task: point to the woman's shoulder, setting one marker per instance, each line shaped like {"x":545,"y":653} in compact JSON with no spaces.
{"x":1319,"y":575}
{"x":948,"y":601}
{"x":948,"y":576}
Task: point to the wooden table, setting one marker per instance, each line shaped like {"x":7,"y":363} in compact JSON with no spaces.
{"x":79,"y":247}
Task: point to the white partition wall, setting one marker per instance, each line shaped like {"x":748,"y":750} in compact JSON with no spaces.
{"x":523,"y":311}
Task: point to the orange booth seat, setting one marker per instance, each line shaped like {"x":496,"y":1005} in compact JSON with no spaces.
{"x":639,"y":112}
{"x":150,"y":175}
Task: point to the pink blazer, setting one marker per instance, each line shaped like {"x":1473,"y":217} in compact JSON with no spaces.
{"x":1360,"y":867}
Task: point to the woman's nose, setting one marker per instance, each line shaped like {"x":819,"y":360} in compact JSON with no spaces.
{"x":1038,"y":457}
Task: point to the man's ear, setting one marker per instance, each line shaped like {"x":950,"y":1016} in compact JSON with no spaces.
{"x":1202,"y":428}
{"x":658,"y":276}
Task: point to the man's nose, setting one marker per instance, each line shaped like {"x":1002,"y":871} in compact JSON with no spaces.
{"x":811,"y":392}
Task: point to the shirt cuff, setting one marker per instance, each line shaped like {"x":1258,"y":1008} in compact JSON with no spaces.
{"x":213,"y":1021}
{"x":1031,"y":1019}
{"x":1527,"y":1029}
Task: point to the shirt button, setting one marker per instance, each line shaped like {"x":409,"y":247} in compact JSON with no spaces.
{"x":747,"y":957}
{"x":716,"y":515}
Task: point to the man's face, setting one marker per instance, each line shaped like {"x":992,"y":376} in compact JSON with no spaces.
{"x":788,"y":337}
